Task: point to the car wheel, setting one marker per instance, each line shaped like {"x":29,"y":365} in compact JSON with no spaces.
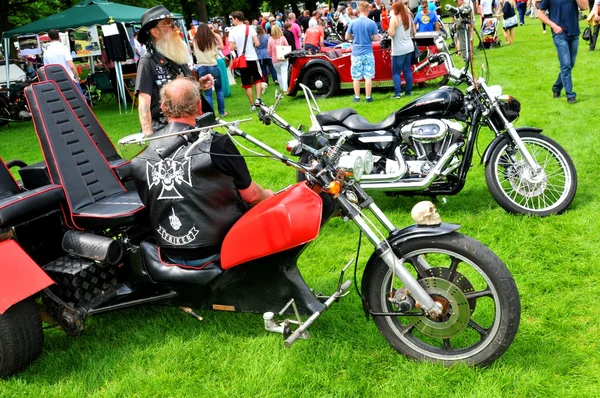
{"x":321,"y":81}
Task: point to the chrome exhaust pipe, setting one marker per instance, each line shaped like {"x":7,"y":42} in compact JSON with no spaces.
{"x":412,"y":184}
{"x":392,"y":176}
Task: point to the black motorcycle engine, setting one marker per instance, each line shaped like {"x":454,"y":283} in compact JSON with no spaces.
{"x":429,"y":139}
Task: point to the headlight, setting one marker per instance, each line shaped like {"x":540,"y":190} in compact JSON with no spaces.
{"x":495,"y":91}
{"x":367,"y":158}
{"x":354,"y":166}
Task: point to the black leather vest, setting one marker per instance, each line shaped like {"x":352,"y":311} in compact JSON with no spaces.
{"x":191,"y":204}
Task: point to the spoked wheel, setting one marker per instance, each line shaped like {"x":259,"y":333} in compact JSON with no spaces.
{"x":435,"y":82}
{"x":321,"y":81}
{"x":519,"y":189}
{"x":478,"y":296}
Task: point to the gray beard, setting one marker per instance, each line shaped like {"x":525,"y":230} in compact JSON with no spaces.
{"x":173,"y":48}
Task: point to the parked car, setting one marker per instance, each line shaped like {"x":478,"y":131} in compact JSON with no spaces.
{"x":329,"y":71}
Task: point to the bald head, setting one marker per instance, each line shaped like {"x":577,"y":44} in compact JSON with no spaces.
{"x":181,"y":98}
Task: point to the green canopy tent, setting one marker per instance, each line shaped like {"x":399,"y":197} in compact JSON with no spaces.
{"x":86,"y":13}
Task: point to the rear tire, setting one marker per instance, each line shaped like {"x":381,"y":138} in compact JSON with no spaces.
{"x":321,"y":81}
{"x":21,"y":337}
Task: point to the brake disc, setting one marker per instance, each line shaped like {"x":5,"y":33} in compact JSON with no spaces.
{"x":456,"y":309}
{"x":521,"y":179}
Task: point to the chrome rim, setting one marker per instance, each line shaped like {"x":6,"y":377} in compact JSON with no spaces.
{"x":529,"y":190}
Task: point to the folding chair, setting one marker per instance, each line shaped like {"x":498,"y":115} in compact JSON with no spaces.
{"x":104,"y":85}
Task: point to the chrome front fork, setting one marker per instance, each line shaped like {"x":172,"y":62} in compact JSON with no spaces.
{"x":393,"y":262}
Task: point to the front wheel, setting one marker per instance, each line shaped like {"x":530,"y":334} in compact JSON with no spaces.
{"x":478,"y":296}
{"x":518,"y":189}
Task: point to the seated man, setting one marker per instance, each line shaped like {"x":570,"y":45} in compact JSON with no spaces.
{"x":194,"y":201}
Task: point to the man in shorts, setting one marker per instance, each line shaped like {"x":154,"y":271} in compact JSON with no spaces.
{"x":251,"y":75}
{"x":362,"y":31}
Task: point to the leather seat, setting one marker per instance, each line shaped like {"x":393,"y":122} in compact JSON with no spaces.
{"x":335,"y":117}
{"x":16,"y":203}
{"x":96,"y":199}
{"x":348,"y":118}
{"x":359,"y":123}
{"x":90,"y":123}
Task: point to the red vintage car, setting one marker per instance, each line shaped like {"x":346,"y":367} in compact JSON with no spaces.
{"x":328,"y":71}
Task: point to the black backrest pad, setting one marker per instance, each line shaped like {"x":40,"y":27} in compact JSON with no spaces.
{"x":7,"y":182}
{"x":73,"y":159}
{"x":71,"y":92}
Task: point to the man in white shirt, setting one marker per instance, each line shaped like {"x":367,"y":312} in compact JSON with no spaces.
{"x":56,"y":53}
{"x":251,"y":75}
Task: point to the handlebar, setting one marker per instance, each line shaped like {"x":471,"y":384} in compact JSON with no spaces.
{"x":178,"y":142}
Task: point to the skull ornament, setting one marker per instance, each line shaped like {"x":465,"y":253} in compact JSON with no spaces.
{"x":425,"y":213}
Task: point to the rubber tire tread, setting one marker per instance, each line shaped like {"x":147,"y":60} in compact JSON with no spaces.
{"x":21,"y":337}
{"x":508,"y":205}
{"x":316,"y":69}
{"x":490,"y":264}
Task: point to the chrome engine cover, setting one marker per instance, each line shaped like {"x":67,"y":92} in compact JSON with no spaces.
{"x":429,"y":130}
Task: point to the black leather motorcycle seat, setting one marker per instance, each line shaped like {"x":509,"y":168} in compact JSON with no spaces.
{"x":335,"y":117}
{"x":359,"y":123}
{"x":164,"y":272}
{"x":96,"y":199}
{"x":114,"y":211}
{"x":21,"y":204}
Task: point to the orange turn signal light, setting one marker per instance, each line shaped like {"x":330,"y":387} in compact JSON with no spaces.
{"x":334,"y":187}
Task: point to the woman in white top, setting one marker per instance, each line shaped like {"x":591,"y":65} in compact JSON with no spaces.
{"x":281,"y":67}
{"x":206,"y":50}
{"x":402,"y":48}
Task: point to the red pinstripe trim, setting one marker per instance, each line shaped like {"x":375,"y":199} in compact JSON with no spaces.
{"x":11,"y":176}
{"x":83,"y":98}
{"x":86,"y":215}
{"x":29,"y":196}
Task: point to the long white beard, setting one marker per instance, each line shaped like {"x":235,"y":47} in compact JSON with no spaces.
{"x":172,"y":47}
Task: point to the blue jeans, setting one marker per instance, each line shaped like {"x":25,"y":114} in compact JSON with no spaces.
{"x":566,"y":46}
{"x":522,"y":8}
{"x":216,"y":74}
{"x":401,"y":63}
{"x":266,"y":66}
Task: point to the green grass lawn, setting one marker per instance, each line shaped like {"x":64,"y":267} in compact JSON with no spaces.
{"x":157,"y":351}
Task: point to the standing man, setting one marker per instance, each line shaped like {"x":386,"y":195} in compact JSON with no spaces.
{"x":166,"y":58}
{"x":251,"y":74}
{"x":375,"y":15}
{"x":56,"y":53}
{"x":362,"y":31}
{"x":563,"y":18}
{"x":295,"y":29}
{"x":190,"y":219}
{"x":426,"y":21}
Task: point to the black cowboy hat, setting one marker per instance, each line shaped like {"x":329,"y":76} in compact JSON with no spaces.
{"x":150,"y":19}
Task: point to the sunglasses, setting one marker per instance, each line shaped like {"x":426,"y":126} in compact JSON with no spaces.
{"x":172,"y":24}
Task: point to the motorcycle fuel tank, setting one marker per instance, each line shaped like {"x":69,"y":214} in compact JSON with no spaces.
{"x":443,"y":102}
{"x":284,"y":221}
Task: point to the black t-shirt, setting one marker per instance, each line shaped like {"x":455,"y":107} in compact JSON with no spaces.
{"x":227,"y":160}
{"x":289,"y":37}
{"x":153,"y":72}
{"x":304,"y":23}
{"x":375,"y":15}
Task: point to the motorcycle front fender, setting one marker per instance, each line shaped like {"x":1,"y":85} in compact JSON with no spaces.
{"x":398,"y":237}
{"x":500,"y":139}
{"x":20,"y":276}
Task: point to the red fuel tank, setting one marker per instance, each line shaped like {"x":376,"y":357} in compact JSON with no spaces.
{"x":284,"y":221}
